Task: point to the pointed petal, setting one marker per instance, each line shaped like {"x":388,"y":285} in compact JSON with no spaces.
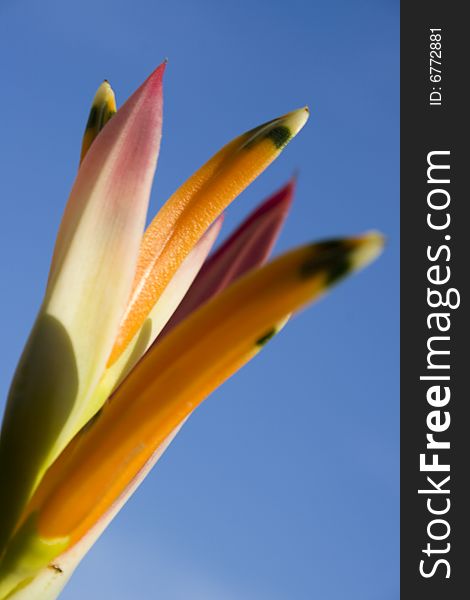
{"x":248,"y":247}
{"x":90,"y":281}
{"x":102,"y":109}
{"x":215,"y":341}
{"x":188,"y":213}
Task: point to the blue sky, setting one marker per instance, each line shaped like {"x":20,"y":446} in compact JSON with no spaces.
{"x":284,"y":484}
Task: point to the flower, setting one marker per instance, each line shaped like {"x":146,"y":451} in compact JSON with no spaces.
{"x":137,"y":328}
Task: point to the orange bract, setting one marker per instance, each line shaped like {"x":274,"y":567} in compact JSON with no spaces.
{"x":192,"y":208}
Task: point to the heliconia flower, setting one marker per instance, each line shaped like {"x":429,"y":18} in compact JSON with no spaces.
{"x":98,"y":394}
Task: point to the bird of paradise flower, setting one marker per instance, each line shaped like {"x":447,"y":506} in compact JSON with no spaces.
{"x":138,"y":328}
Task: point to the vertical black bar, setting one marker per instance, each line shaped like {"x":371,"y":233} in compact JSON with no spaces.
{"x":434,"y":118}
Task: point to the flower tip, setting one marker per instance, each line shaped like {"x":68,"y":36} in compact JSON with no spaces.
{"x":277,"y":205}
{"x":103,"y":108}
{"x":153,"y":84}
{"x":291,"y":184}
{"x":294,"y":178}
{"x":296,"y":119}
{"x":104,"y":98}
{"x":284,"y":196}
{"x":367,"y":248}
{"x":217,"y":224}
{"x":158,"y":72}
{"x":337,"y":258}
{"x":279,"y":131}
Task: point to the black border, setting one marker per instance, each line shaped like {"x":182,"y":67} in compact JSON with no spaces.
{"x":425,"y":128}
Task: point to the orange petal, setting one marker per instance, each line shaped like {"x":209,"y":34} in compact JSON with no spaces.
{"x":191,"y":209}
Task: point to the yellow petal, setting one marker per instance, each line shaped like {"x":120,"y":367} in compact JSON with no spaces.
{"x":102,"y":109}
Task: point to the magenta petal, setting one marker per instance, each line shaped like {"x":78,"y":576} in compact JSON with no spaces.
{"x":248,"y":247}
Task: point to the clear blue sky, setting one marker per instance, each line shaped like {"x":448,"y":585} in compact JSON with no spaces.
{"x":284,"y":485}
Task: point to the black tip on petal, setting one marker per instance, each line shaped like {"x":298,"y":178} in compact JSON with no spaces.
{"x":279,"y":135}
